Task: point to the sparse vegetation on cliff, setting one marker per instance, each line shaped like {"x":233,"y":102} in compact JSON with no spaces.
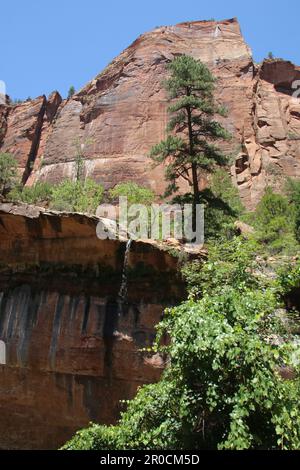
{"x":276,"y":222}
{"x":69,"y":196}
{"x":39,"y":194}
{"x":77,"y":196}
{"x":71,"y":91}
{"x":135,"y":194}
{"x":8,"y":172}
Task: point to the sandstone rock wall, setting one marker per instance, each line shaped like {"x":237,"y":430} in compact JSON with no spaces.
{"x":118,"y":116}
{"x":72,"y":351}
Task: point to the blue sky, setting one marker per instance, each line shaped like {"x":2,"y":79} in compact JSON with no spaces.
{"x":54,"y":44}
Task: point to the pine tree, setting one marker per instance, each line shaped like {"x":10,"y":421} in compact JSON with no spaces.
{"x":189,"y":149}
{"x":71,"y":91}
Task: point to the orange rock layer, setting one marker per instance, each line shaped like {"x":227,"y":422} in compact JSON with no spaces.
{"x":73,"y":350}
{"x":118,"y":116}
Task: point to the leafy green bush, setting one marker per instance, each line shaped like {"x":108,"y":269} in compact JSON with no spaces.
{"x":135,"y":194}
{"x":222,"y":187}
{"x":289,"y":278}
{"x":274,"y":221}
{"x":8,"y":172}
{"x":231,"y":263}
{"x":77,"y":196}
{"x":222,"y":206}
{"x":222,"y":388}
{"x":293,"y":193}
{"x":40,"y":193}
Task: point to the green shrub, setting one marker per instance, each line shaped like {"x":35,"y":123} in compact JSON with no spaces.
{"x":77,"y":196}
{"x":274,"y":221}
{"x":222,"y":206}
{"x":40,"y":193}
{"x":230,"y":263}
{"x":8,"y":172}
{"x":293,"y":193}
{"x":223,"y":188}
{"x":135,"y":194}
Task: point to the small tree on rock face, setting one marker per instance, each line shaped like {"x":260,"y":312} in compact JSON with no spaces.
{"x":71,"y":91}
{"x":8,"y":172}
{"x":192,"y":150}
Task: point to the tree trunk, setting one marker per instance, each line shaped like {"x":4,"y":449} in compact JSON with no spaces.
{"x":196,"y":191}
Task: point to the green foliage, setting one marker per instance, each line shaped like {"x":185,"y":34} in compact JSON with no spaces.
{"x":71,"y":91}
{"x":293,"y":193}
{"x":40,"y":193}
{"x":191,"y":87}
{"x":270,"y":55}
{"x":222,"y":206}
{"x":274,"y":221}
{"x":135,"y":194}
{"x":77,"y":196}
{"x":230,"y":263}
{"x":222,"y":187}
{"x":222,"y":388}
{"x":8,"y":172}
{"x":289,"y":278}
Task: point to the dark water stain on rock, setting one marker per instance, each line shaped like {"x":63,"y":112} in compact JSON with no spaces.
{"x":73,"y":306}
{"x":27,"y":318}
{"x":91,"y":393}
{"x":86,"y":314}
{"x":56,"y":329}
{"x":18,"y":315}
{"x":66,"y":383}
{"x":109,"y":327}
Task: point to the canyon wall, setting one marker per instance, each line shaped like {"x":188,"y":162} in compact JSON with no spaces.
{"x":116,"y":118}
{"x":73,"y":349}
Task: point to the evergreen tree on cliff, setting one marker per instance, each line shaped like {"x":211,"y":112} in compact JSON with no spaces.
{"x":189,"y":149}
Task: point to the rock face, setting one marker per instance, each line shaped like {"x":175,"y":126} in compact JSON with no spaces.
{"x":24,"y":129}
{"x":73,"y":350}
{"x":119,"y":115}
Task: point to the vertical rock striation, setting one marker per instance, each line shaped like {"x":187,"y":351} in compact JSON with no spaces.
{"x":118,"y":116}
{"x":72,"y":353}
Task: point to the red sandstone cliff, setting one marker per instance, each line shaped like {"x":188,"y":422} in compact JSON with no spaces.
{"x":120,"y":114}
{"x":72,"y":352}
